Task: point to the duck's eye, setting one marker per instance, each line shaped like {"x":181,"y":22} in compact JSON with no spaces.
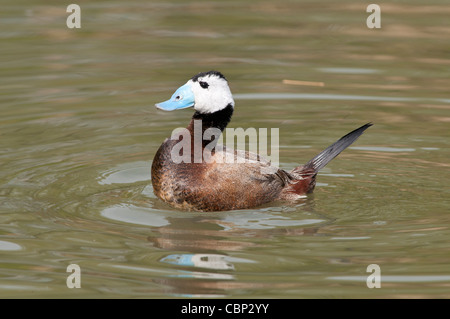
{"x":204,"y":84}
{"x":178,"y":98}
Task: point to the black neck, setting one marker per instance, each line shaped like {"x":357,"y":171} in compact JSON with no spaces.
{"x":219,"y":119}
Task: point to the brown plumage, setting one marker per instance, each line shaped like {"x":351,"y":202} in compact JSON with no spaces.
{"x":215,"y":185}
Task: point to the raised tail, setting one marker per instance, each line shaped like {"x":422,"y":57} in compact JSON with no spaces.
{"x":323,"y":158}
{"x":304,"y":177}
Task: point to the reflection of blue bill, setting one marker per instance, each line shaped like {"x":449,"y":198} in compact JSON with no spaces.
{"x":209,"y":261}
{"x":179,"y":259}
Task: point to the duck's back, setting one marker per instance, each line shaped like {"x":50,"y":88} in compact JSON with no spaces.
{"x":243,"y":182}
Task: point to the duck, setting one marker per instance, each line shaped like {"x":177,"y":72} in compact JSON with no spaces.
{"x":187,"y":179}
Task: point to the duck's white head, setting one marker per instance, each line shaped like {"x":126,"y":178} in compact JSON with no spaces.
{"x":207,"y":92}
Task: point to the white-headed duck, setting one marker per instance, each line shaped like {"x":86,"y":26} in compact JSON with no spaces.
{"x":212,"y":184}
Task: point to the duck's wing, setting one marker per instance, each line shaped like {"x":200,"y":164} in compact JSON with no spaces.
{"x":247,"y":181}
{"x":227,"y":180}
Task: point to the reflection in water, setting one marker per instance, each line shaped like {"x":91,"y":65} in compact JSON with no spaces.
{"x":206,"y":238}
{"x":126,"y":173}
{"x":207,"y":284}
{"x":134,"y":215}
{"x":210,"y":261}
{"x":8,"y":246}
{"x":214,"y":234}
{"x":203,"y":244}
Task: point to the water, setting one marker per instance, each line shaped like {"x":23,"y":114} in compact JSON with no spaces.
{"x":78,"y":132}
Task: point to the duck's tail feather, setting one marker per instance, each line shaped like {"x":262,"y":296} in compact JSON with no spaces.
{"x":324,"y":157}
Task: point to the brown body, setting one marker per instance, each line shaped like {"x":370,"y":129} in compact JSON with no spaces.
{"x":217,"y":186}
